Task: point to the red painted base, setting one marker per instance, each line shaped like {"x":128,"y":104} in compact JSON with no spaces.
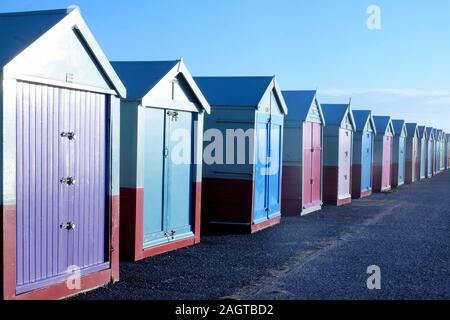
{"x":366,"y":194}
{"x":151,"y":252}
{"x":410,"y":175}
{"x":356,"y":181}
{"x":340,"y":202}
{"x":291,"y":202}
{"x":343,"y":202}
{"x":132,"y":219}
{"x":60,"y":290}
{"x":394,"y":175}
{"x":377,"y":180}
{"x":264,"y":225}
{"x":330,"y":184}
{"x":227,"y":200}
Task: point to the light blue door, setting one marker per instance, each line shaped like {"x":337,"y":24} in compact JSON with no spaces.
{"x":261,"y":209}
{"x":401,"y":160}
{"x":275,"y":163}
{"x":268,"y":167}
{"x":367,"y":144}
{"x":155,"y":222}
{"x":178,"y":186}
{"x":168,"y":160}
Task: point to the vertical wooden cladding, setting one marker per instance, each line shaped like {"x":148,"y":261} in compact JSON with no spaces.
{"x":45,"y":250}
{"x":387,"y":158}
{"x":345,"y":159}
{"x":312,"y":164}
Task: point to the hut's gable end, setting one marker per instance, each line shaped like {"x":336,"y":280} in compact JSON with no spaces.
{"x":389,"y":131}
{"x":347,"y":122}
{"x":314,"y":113}
{"x":270,"y":103}
{"x":173,"y":91}
{"x":61,"y":54}
{"x":404,"y":133}
{"x":369,"y":127}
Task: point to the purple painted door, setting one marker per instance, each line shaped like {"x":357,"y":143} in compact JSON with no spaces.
{"x":61,"y":184}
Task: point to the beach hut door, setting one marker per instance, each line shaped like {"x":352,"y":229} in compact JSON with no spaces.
{"x":367,"y":150}
{"x":268,"y":167}
{"x":345,"y":143}
{"x":61,"y":184}
{"x":401,"y":161}
{"x":167,"y":176}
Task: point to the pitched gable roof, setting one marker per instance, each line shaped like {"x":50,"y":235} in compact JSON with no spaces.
{"x":334,"y":114}
{"x":430,"y":132}
{"x":382,"y":123}
{"x":18,"y":31}
{"x":422,"y":132}
{"x":236,"y":91}
{"x":300,"y":103}
{"x":399,"y":127}
{"x":140,"y":77}
{"x":362,"y":117}
{"x":412,"y":129}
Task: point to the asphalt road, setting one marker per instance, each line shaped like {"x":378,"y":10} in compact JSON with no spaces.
{"x":322,"y":256}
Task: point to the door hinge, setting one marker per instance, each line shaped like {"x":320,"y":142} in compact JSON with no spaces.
{"x":69,"y":135}
{"x":166,"y":152}
{"x":68,"y":226}
{"x":69,"y":181}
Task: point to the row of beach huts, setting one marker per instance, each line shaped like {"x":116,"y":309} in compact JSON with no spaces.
{"x":105,"y":161}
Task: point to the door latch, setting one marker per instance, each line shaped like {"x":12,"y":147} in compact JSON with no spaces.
{"x":170,"y":234}
{"x":173,"y":114}
{"x":311,"y":181}
{"x":69,"y":135}
{"x":69,"y":181}
{"x":68,"y":226}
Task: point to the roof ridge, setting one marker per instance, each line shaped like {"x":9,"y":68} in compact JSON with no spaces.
{"x":236,"y":77}
{"x":143,"y":61}
{"x":38,"y":12}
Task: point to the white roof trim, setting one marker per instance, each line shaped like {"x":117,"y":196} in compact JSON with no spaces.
{"x":180,"y":68}
{"x":74,"y":21}
{"x":274,"y":86}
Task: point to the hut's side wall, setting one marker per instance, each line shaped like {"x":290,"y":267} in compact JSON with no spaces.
{"x":132,"y":190}
{"x":228,"y":188}
{"x":331,"y":164}
{"x":292,"y":184}
{"x":378,"y":162}
{"x":395,"y":161}
{"x":357,"y":164}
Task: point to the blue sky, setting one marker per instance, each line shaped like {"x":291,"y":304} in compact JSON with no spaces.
{"x":402,"y":70}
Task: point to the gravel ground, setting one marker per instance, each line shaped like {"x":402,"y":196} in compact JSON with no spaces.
{"x":322,"y":256}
